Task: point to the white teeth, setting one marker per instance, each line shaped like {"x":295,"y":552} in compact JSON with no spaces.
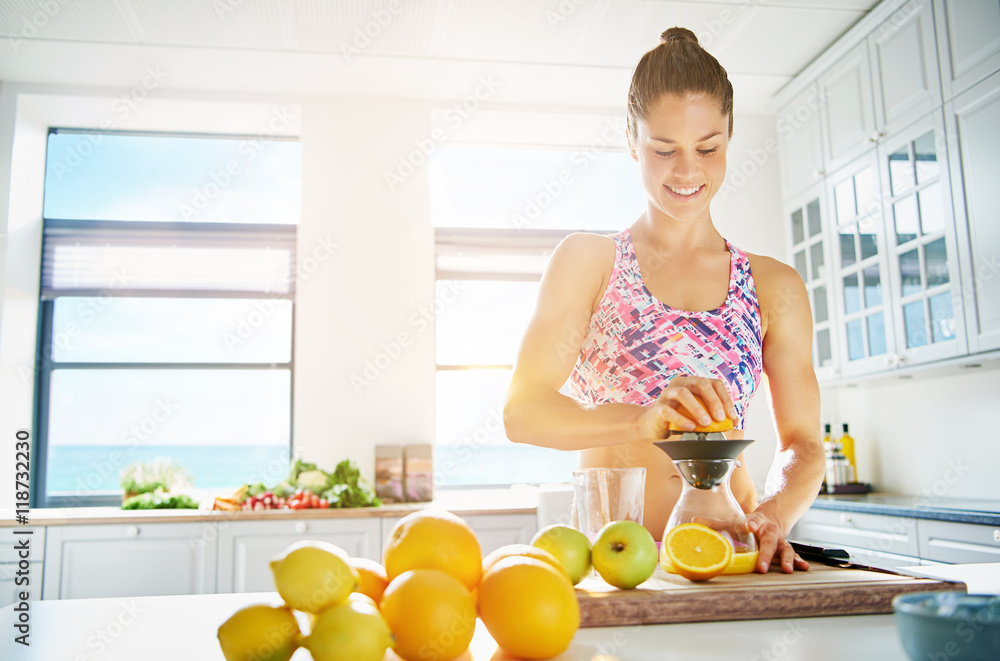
{"x":685,"y":191}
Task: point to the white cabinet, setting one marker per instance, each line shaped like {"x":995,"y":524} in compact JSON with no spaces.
{"x":861,"y":307}
{"x":968,"y":40}
{"x":17,"y":572}
{"x":123,"y":560}
{"x":800,"y":139}
{"x":898,"y":541}
{"x":496,"y":530}
{"x":848,"y":111}
{"x":946,"y":541}
{"x":924,"y":282}
{"x":893,"y":537}
{"x":9,"y":588}
{"x":805,"y":219}
{"x":911,"y":230}
{"x":905,"y":77}
{"x":246,"y":547}
{"x":974,"y":157}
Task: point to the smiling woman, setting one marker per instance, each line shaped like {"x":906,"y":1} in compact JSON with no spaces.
{"x":666,"y":325}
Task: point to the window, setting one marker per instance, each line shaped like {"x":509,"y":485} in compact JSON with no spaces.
{"x":499,"y":212}
{"x":166,"y":312}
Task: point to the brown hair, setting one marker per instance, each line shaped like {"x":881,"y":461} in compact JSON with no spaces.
{"x":677,"y":66}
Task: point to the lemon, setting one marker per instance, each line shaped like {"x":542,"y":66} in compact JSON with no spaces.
{"x":259,"y":633}
{"x":351,"y":631}
{"x":312,"y":575}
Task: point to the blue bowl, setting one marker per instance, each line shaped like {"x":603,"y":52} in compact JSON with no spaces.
{"x":949,"y":625}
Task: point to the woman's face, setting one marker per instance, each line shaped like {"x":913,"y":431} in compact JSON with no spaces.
{"x":681,"y":151}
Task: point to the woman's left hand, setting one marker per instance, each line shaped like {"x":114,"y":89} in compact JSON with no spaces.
{"x":772,"y":546}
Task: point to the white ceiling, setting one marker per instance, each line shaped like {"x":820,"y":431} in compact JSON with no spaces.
{"x":568,"y":52}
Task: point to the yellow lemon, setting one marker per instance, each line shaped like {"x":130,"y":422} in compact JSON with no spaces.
{"x":259,"y":633}
{"x":312,"y":575}
{"x":351,"y":631}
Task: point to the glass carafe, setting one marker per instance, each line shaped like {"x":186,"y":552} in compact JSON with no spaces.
{"x":706,"y":498}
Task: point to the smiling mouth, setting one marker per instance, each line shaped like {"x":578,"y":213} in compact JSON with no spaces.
{"x":685,"y":192}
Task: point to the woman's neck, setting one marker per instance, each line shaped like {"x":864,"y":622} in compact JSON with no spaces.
{"x":671,"y":235}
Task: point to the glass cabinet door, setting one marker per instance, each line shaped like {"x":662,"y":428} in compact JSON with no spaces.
{"x":806,"y":231}
{"x":929,"y":312}
{"x":861,"y":260}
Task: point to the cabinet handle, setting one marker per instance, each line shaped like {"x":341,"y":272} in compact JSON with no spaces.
{"x":876,"y":136}
{"x":132,"y":531}
{"x":845,"y":518}
{"x":300,"y":526}
{"x":819,"y":173}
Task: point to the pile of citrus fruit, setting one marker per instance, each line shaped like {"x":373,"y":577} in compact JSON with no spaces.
{"x":422,"y":601}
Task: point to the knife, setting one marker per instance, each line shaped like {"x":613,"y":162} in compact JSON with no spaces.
{"x":826,"y":556}
{"x":838,"y":558}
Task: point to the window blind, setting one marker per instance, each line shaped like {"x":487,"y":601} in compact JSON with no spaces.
{"x":128,"y":258}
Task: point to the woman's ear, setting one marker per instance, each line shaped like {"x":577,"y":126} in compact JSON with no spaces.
{"x":631,"y":143}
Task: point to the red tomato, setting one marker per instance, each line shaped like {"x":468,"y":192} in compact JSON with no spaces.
{"x":323,"y":503}
{"x":314,"y":501}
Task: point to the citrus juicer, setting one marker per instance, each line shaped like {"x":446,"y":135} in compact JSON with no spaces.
{"x":706,"y":462}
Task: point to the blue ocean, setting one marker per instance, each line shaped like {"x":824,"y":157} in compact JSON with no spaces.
{"x":76,"y":468}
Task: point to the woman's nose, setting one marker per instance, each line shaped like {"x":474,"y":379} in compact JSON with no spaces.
{"x":685,"y":166}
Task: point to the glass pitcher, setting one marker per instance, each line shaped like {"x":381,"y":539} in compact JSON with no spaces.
{"x":706,"y":466}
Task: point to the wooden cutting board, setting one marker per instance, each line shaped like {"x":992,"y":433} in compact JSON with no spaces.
{"x":822,"y":590}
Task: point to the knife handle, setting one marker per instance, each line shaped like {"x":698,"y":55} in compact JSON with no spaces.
{"x":807,"y":551}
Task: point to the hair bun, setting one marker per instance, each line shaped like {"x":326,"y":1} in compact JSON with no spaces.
{"x":678,"y":34}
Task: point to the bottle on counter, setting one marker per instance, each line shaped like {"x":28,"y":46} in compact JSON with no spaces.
{"x":827,"y":440}
{"x":837,"y":467}
{"x":847,"y":447}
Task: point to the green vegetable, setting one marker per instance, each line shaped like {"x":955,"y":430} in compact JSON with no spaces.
{"x":256,"y":489}
{"x":299,"y":467}
{"x":146,"y":476}
{"x":158,"y":500}
{"x":347,"y":489}
{"x":283,"y":489}
{"x":315,"y":480}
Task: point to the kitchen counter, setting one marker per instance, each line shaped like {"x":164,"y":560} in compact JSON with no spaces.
{"x":959,"y":510}
{"x":167,"y":628}
{"x":461,"y":502}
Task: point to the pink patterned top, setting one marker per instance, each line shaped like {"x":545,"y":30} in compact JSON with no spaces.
{"x":635,"y":344}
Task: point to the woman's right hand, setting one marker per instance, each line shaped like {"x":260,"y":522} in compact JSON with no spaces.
{"x":678,"y":408}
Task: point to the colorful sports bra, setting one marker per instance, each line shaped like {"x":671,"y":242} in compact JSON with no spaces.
{"x":636,"y":344}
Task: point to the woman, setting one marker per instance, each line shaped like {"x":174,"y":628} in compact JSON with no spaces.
{"x":642,"y":321}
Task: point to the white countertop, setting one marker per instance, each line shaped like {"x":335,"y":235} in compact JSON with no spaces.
{"x":168,"y":628}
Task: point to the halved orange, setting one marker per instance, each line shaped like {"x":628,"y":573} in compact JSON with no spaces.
{"x":697,"y":552}
{"x":713,"y":426}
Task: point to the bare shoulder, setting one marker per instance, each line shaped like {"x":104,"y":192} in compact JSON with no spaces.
{"x":779,"y":287}
{"x":582,"y":262}
{"x":769,"y":273}
{"x":586,"y":249}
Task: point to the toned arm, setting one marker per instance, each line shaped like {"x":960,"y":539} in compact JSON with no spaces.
{"x":794,"y":394}
{"x":535,"y":411}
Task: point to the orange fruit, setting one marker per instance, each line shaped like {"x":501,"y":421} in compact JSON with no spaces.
{"x":522,"y":550}
{"x":529,"y":607}
{"x":373,"y":578}
{"x":431,"y":614}
{"x":697,"y":552}
{"x":713,"y":426}
{"x":434,"y":539}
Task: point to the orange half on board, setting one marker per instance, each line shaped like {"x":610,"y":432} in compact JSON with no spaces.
{"x":697,"y":552}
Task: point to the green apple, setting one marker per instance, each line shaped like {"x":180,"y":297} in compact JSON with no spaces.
{"x":570,"y":547}
{"x":624,"y":554}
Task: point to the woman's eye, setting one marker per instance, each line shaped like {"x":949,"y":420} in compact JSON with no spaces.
{"x":708,"y":151}
{"x":664,"y":154}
